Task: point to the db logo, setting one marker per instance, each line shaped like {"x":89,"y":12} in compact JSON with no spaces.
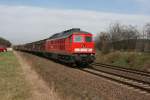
{"x":83,"y":46}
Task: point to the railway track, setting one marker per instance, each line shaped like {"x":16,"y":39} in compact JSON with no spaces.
{"x":137,"y":75}
{"x":123,"y":69}
{"x":133,"y":78}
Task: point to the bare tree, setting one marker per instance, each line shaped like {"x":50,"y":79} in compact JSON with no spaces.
{"x":97,"y":41}
{"x":129,"y":32}
{"x":105,"y":42}
{"x":146,"y":39}
{"x":147,"y":30}
{"x":123,"y":35}
{"x":4,"y":42}
{"x":115,"y":31}
{"x":130,"y":35}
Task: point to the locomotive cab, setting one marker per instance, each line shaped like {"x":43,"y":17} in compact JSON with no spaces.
{"x":83,"y":48}
{"x":83,"y":43}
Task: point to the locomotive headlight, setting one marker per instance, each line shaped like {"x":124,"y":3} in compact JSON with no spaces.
{"x":83,"y":49}
{"x":90,"y":50}
{"x":76,"y":49}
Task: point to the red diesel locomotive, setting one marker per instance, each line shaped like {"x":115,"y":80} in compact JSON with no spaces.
{"x":72,"y":46}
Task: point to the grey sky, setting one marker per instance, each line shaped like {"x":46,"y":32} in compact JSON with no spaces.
{"x":21,"y":24}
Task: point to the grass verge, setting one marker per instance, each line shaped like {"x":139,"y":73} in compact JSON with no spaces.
{"x":135,"y":60}
{"x":12,"y":82}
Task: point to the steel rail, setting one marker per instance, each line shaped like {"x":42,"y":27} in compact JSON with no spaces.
{"x":123,"y":69}
{"x":142,"y":88}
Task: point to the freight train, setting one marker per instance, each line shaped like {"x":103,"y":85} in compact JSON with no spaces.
{"x":71,"y":46}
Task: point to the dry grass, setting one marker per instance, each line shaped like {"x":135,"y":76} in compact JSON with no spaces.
{"x":72,"y":84}
{"x":126,"y":59}
{"x":39,"y":89}
{"x":12,"y":83}
{"x":63,"y":80}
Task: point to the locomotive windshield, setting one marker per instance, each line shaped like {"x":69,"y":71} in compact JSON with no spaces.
{"x":88,"y":39}
{"x":78,"y":38}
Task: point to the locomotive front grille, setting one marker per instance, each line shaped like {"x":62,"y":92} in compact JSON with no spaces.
{"x":85,"y":58}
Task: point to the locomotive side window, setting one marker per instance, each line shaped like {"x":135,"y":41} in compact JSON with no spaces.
{"x":88,"y":39}
{"x":78,"y":38}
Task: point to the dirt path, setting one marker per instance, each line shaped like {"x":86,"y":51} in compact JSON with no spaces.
{"x":39,"y":89}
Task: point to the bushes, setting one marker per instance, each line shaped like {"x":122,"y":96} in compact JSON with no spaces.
{"x":124,"y":38}
{"x":4,"y":42}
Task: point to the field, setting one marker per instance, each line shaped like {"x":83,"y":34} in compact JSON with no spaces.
{"x":12,"y":82}
{"x":132,"y":60}
{"x":73,"y":84}
{"x":66,"y":82}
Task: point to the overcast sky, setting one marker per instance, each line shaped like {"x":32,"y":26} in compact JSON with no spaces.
{"x":24,"y":21}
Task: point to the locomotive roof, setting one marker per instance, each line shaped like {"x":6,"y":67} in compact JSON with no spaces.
{"x":63,"y":34}
{"x":66,"y":33}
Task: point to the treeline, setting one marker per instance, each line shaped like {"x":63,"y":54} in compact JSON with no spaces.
{"x":124,"y":38}
{"x":4,"y":42}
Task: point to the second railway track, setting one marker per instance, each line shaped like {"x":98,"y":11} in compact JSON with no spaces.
{"x":137,"y":79}
{"x":123,"y":69}
{"x":136,"y":75}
